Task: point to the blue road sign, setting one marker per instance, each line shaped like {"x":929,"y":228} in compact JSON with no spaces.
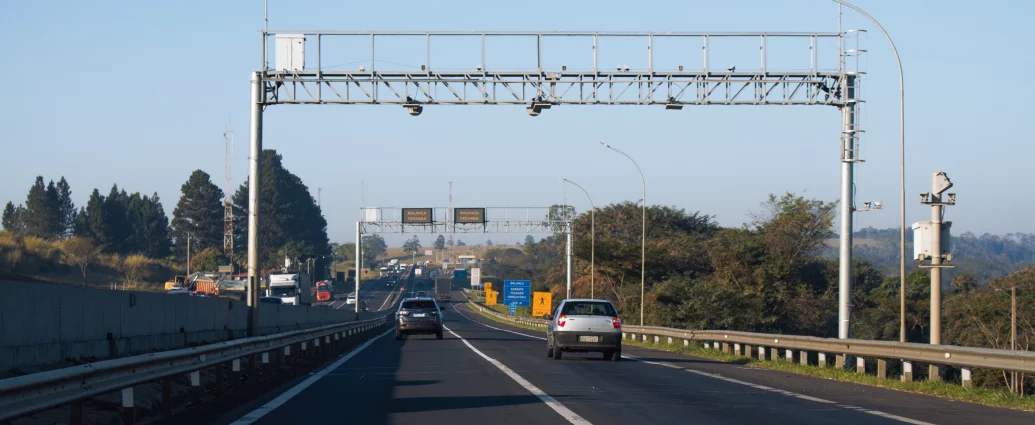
{"x":517,"y":292}
{"x":513,"y":308}
{"x":460,"y":274}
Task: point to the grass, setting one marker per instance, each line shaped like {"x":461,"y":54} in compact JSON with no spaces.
{"x":949,"y":390}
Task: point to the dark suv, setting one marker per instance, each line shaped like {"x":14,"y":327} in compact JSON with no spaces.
{"x":418,"y":316}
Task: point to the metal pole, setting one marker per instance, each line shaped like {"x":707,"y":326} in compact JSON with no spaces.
{"x":936,"y":274}
{"x":592,"y":239}
{"x":902,"y":166}
{"x":255,"y":139}
{"x":568,"y":250}
{"x":188,"y":256}
{"x":359,"y":263}
{"x":1014,"y":385}
{"x":848,"y":159}
{"x":643,"y":236}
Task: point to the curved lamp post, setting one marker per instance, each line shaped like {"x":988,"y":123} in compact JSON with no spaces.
{"x":643,"y":239}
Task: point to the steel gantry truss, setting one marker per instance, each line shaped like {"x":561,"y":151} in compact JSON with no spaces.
{"x":300,"y":76}
{"x":292,"y":82}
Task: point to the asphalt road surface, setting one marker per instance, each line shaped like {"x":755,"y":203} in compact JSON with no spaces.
{"x":487,"y":372}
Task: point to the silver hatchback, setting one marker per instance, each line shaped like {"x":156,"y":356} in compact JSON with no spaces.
{"x":585,"y":325}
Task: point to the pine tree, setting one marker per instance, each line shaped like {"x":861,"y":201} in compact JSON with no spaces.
{"x":200,"y":213}
{"x":149,"y":226}
{"x":35,"y":217}
{"x":10,"y":218}
{"x":54,"y":221}
{"x":66,"y":209}
{"x":116,"y":230}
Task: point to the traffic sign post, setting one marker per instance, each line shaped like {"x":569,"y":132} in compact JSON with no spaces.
{"x":542,"y":303}
{"x":513,"y":308}
{"x":517,"y":291}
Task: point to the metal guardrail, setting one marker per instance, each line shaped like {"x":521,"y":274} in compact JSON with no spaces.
{"x":24,"y":395}
{"x":741,"y":343}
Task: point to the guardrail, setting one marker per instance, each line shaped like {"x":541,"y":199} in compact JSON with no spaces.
{"x":798,"y":347}
{"x":33,"y":393}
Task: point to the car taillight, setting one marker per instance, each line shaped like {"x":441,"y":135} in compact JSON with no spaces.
{"x":561,"y":320}
{"x":616,"y":322}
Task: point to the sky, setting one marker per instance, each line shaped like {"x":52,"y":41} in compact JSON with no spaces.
{"x":139,"y":93}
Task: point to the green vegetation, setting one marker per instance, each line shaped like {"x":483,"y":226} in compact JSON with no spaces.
{"x":772,"y":275}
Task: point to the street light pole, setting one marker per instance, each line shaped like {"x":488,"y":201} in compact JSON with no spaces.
{"x":902,"y":165}
{"x":592,"y":239}
{"x":643,"y":236}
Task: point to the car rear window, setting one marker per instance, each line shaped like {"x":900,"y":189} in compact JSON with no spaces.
{"x":588,"y":308}
{"x":418,"y":304}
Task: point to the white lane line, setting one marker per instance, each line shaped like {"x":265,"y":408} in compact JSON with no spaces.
{"x":735,"y":381}
{"x":257,"y":414}
{"x":498,"y":329}
{"x":570,"y":416}
{"x":782,"y":392}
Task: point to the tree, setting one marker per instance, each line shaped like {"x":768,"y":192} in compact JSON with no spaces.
{"x":458,"y":242}
{"x":488,"y":242}
{"x":41,"y":210}
{"x":440,"y":242}
{"x":373,"y":247}
{"x":288,"y":214}
{"x":412,"y":244}
{"x":199,"y":213}
{"x":12,"y":218}
{"x":79,"y":251}
{"x":116,"y":229}
{"x":149,"y":225}
{"x":66,"y":213}
{"x":345,"y":251}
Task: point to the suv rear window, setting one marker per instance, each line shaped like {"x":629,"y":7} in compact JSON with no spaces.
{"x":418,"y":304}
{"x":588,"y":308}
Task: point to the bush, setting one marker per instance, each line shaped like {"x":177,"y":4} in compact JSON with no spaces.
{"x":136,"y":267}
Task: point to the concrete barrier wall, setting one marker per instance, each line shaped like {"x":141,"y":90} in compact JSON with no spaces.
{"x":44,"y":323}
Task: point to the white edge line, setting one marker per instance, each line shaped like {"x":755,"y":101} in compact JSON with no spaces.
{"x":735,"y":381}
{"x":258,"y":413}
{"x":570,"y":416}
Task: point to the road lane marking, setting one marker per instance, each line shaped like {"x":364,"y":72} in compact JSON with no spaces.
{"x":572,"y":417}
{"x":735,"y":381}
{"x":257,"y":414}
{"x":782,"y":392}
{"x":498,"y":329}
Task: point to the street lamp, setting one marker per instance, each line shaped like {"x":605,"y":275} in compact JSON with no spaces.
{"x":902,"y":164}
{"x":592,"y":239}
{"x":643,"y":237}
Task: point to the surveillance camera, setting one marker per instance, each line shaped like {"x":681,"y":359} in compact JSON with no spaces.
{"x":362,"y":68}
{"x":618,"y":68}
{"x":866,"y":204}
{"x":878,"y":204}
{"x":923,"y":197}
{"x":680,"y":68}
{"x":415,"y":110}
{"x":952,"y":198}
{"x":532,"y":111}
{"x":564,"y":67}
{"x":627,"y":68}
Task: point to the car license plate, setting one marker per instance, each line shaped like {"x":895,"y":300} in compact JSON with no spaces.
{"x":586,"y":338}
{"x":418,"y":314}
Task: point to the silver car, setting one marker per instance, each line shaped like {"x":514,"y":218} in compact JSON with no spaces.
{"x":585,"y":325}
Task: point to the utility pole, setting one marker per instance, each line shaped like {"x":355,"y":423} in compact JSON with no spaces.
{"x":936,"y":233}
{"x":188,"y":258}
{"x":450,"y":213}
{"x":1015,"y":386}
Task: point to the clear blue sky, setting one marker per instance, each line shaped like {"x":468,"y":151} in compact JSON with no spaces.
{"x":137,"y":93}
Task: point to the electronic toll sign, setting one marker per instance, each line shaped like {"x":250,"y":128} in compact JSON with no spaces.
{"x":469,"y":215}
{"x":417,"y":215}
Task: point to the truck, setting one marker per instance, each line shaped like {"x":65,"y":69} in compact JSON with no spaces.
{"x":291,"y":288}
{"x":443,"y":287}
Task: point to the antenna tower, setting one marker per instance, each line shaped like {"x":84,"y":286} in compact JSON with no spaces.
{"x":228,"y":205}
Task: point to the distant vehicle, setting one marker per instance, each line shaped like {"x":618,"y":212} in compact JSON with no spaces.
{"x":178,"y":290}
{"x":271,"y":300}
{"x":418,"y":316}
{"x":176,"y":282}
{"x":443,"y":288}
{"x":323,"y":292}
{"x":229,"y":288}
{"x":292,"y":288}
{"x":421,"y":294}
{"x":351,"y":299}
{"x":585,"y":325}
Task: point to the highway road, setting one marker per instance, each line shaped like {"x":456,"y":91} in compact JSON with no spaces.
{"x":374,"y":292}
{"x":487,"y":372}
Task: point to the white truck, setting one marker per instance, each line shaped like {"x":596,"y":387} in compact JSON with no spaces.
{"x":291,"y":288}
